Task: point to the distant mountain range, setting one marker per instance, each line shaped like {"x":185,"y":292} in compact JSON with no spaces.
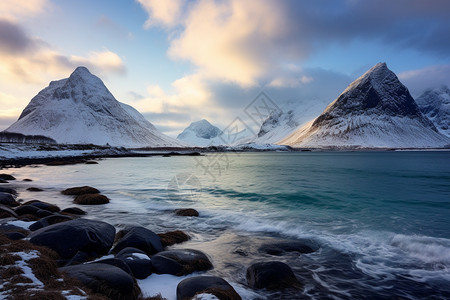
{"x":81,"y":110}
{"x":376,"y":110}
{"x":435,"y":104}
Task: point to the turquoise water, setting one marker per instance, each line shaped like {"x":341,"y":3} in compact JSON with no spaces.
{"x":381,"y":219}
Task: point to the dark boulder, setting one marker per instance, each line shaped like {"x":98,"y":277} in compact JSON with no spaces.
{"x":180,"y":262}
{"x":216,"y":286}
{"x":116,"y":262}
{"x":42,"y":213}
{"x":27,"y":179}
{"x":3,"y":181}
{"x":91,"y":199}
{"x":7,"y":212}
{"x":49,"y":220}
{"x":186,"y":212}
{"x":272,"y":275}
{"x":26,"y":210}
{"x":73,"y":211}
{"x":8,"y":200}
{"x":279,"y":249}
{"x":7,"y":177}
{"x":173,"y":237}
{"x":43,"y":205}
{"x":80,"y":190}
{"x":69,"y":237}
{"x":15,"y":236}
{"x":8,"y":190}
{"x":34,"y":189}
{"x":139,"y":262}
{"x":140,"y":238}
{"x":79,"y":258}
{"x":109,"y":280}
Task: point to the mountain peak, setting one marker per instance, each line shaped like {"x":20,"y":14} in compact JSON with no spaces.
{"x":81,"y":110}
{"x":435,"y":104}
{"x":81,"y":70}
{"x":82,"y":75}
{"x":202,"y":129}
{"x":375,"y":110}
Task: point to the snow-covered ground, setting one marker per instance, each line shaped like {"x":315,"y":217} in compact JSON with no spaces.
{"x":18,"y":151}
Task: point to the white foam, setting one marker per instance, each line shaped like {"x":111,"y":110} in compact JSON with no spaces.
{"x":164,"y":284}
{"x":21,"y":224}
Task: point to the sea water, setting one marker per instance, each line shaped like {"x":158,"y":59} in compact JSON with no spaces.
{"x":381,"y":219}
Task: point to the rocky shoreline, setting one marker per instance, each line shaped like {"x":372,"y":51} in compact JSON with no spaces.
{"x":49,"y":253}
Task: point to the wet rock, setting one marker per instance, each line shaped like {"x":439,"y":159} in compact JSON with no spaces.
{"x":3,"y":181}
{"x":7,"y":177}
{"x":180,"y":262}
{"x":91,"y":199}
{"x":8,"y":190}
{"x":140,"y":238}
{"x":272,"y":275}
{"x":79,"y":258}
{"x":139,"y":262}
{"x":43,"y":205}
{"x":15,"y":236}
{"x":91,"y":162}
{"x":186,"y":212}
{"x":34,"y":189}
{"x":8,"y":200}
{"x":5,"y":228}
{"x":27,"y":179}
{"x":109,"y":280}
{"x":279,"y":249}
{"x":26,"y":210}
{"x":173,"y":237}
{"x":49,"y":220}
{"x":189,"y":287}
{"x":42,"y":213}
{"x":69,"y":237}
{"x":80,"y":190}
{"x":116,"y":262}
{"x":7,"y":212}
{"x":73,"y":211}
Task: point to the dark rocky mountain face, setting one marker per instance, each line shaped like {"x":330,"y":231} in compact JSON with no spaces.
{"x":377,"y":92}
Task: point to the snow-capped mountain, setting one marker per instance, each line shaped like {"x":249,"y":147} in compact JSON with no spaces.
{"x":435,"y":104}
{"x":201,"y":133}
{"x":376,"y":110}
{"x":81,"y":110}
{"x":286,"y":120}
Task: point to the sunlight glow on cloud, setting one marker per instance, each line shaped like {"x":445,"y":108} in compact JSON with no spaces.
{"x":166,"y":13}
{"x":27,"y":59}
{"x":189,"y":92}
{"x":20,"y":8}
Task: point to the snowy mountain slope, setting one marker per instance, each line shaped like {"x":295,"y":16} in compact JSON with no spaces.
{"x":201,"y":133}
{"x":435,"y":104}
{"x":376,"y":110}
{"x":81,"y":110}
{"x":283,"y":122}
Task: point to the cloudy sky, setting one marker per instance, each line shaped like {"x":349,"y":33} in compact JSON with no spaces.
{"x":179,"y":61}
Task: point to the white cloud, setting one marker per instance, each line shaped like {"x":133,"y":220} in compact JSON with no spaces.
{"x":166,"y":13}
{"x":13,"y":9}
